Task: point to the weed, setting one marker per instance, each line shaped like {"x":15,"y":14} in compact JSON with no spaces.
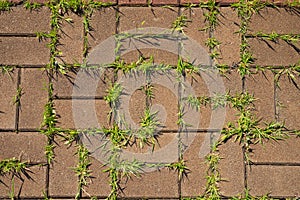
{"x":180,"y":23}
{"x":32,"y":5}
{"x":211,"y":16}
{"x":82,"y":169}
{"x":17,"y":97}
{"x":117,"y":136}
{"x":5,"y":5}
{"x":180,"y":167}
{"x":148,"y":130}
{"x":13,"y":166}
{"x":5,"y":69}
{"x":213,"y":176}
{"x":113,"y":98}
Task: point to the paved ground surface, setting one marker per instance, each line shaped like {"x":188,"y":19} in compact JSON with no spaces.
{"x":275,"y":166}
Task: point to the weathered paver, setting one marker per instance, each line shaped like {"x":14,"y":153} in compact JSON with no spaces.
{"x":71,"y":40}
{"x":81,"y":114}
{"x":278,"y":181}
{"x":33,"y":99}
{"x":23,"y":51}
{"x":282,"y":151}
{"x":84,"y":83}
{"x":288,"y":102}
{"x":226,"y":33}
{"x":8,"y":88}
{"x":101,"y":30}
{"x":32,"y":187}
{"x":26,"y":146}
{"x":194,"y":183}
{"x":279,"y":20}
{"x":62,"y":178}
{"x":268,"y":53}
{"x":262,"y":87}
{"x":139,"y":19}
{"x":231,"y":168}
{"x":157,"y":184}
{"x":22,"y":21}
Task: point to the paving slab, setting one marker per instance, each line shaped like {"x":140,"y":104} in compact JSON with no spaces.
{"x":101,"y":30}
{"x":132,"y":2}
{"x":99,"y":182}
{"x":71,"y":40}
{"x":194,"y":183}
{"x":81,"y":114}
{"x":276,"y":181}
{"x":23,"y":51}
{"x":192,"y":30}
{"x":262,"y":87}
{"x":26,"y":146}
{"x":139,"y":20}
{"x":282,"y":151}
{"x":231,"y":168}
{"x":62,"y":178}
{"x":226,"y":33}
{"x":288,"y":99}
{"x":8,"y":88}
{"x":164,"y":2}
{"x":28,"y":188}
{"x":157,"y":184}
{"x":268,"y":53}
{"x":279,"y":20}
{"x":22,"y":21}
{"x":84,"y":83}
{"x":34,"y":98}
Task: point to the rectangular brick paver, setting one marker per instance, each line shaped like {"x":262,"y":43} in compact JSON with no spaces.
{"x":22,"y":21}
{"x":8,"y":88}
{"x":29,"y":188}
{"x":23,"y":51}
{"x":288,"y":102}
{"x":27,"y":146}
{"x":261,"y":86}
{"x":285,"y":151}
{"x":71,"y":40}
{"x":81,"y":114}
{"x":276,"y":181}
{"x":84,"y":83}
{"x":34,"y":98}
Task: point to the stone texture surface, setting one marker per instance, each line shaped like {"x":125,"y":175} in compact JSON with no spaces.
{"x":277,"y":181}
{"x":8,"y":88}
{"x":23,"y":51}
{"x":140,"y":19}
{"x":81,"y":114}
{"x":34,"y":98}
{"x":162,"y":183}
{"x":101,"y":30}
{"x":71,"y":40}
{"x":262,"y":87}
{"x":268,"y":53}
{"x":22,"y":21}
{"x":277,"y":20}
{"x":285,"y":151}
{"x":28,"y":147}
{"x":84,"y":83}
{"x":62,"y":179}
{"x":194,"y":183}
{"x":288,"y":99}
{"x":231,"y":169}
{"x":31,"y":187}
{"x":226,"y":33}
